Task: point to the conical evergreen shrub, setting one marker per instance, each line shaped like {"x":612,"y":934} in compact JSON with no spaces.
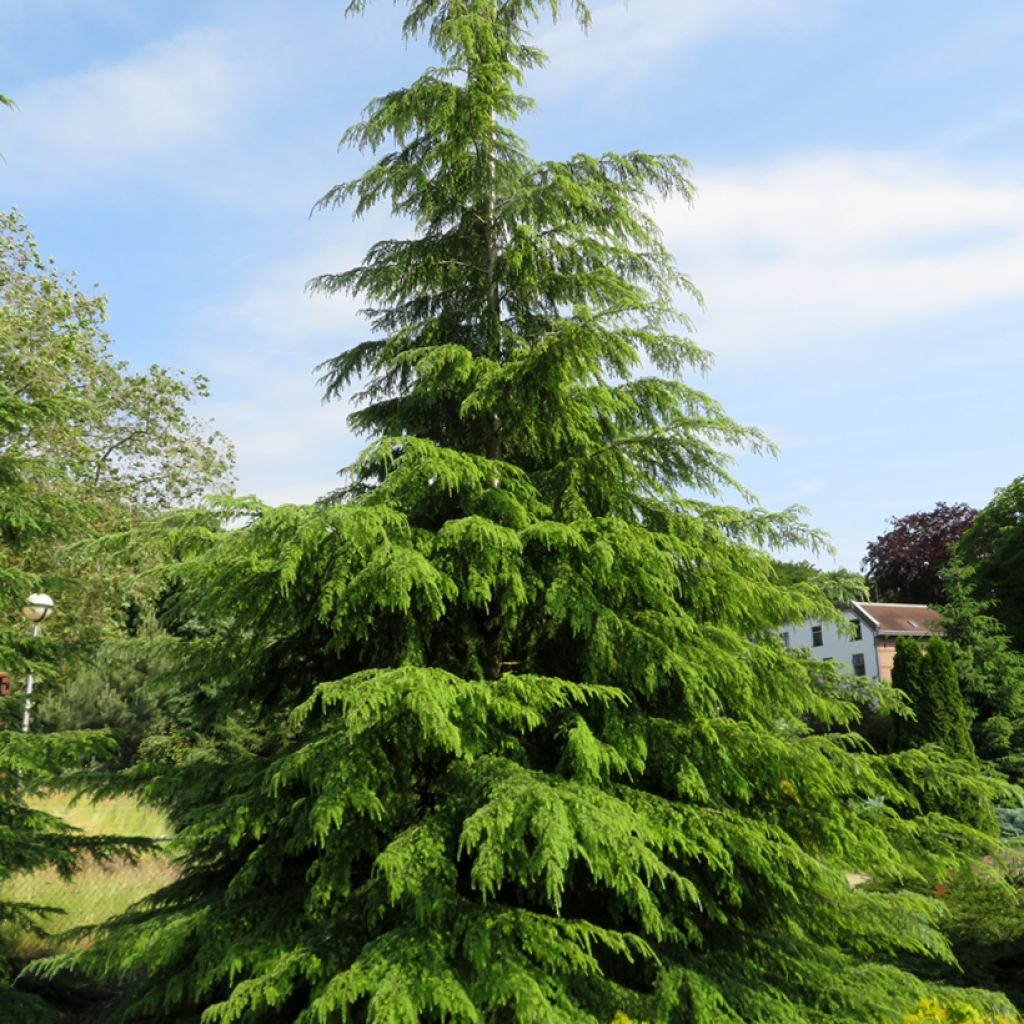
{"x":928,"y":678}
{"x":504,"y":734}
{"x":941,"y":722}
{"x":940,"y":686}
{"x":907,"y":671}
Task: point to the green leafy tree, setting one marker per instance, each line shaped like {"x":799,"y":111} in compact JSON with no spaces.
{"x":990,"y":672}
{"x":524,"y":745}
{"x":77,"y":419}
{"x":88,"y":448}
{"x":30,"y":517}
{"x":994,"y":548}
{"x":842,"y":586}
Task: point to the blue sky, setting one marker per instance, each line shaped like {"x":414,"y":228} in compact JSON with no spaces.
{"x":858,"y":236}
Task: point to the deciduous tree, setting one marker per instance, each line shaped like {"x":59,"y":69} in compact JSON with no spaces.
{"x":38,"y":506}
{"x":994,"y":549}
{"x":905,"y":563}
{"x":990,"y":671}
{"x":87,"y":445}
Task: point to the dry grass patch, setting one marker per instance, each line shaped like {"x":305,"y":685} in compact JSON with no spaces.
{"x":99,"y":890}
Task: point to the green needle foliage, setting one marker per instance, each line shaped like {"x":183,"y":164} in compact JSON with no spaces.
{"x":941,"y":722}
{"x":928,"y":678}
{"x":504,"y":733}
{"x":907,"y":669}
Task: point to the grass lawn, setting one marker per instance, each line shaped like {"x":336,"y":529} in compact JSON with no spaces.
{"x":97,"y":891}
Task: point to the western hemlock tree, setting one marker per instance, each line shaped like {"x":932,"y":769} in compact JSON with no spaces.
{"x":523,"y":745}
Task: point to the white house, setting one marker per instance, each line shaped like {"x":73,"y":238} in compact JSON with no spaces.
{"x":867,"y":643}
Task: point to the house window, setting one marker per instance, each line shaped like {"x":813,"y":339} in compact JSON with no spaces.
{"x":784,"y":636}
{"x":816,"y":640}
{"x":855,"y":631}
{"x":858,"y":665}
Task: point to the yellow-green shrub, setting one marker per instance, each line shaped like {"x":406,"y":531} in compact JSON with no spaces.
{"x":931,"y":1011}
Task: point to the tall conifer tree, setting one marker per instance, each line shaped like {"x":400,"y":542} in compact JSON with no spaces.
{"x":941,"y":722}
{"x":523,"y":746}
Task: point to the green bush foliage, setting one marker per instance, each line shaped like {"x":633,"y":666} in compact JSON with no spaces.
{"x":985,"y":921}
{"x":990,"y":671}
{"x":994,"y":548}
{"x":934,"y":1011}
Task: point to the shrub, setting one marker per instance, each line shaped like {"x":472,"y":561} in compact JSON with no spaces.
{"x":931,"y":1011}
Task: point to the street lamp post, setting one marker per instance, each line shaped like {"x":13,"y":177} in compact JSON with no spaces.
{"x":37,"y":608}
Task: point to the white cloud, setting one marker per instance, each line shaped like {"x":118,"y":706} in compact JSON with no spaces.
{"x":161,"y":101}
{"x":259,"y":348}
{"x":811,"y":250}
{"x":627,"y":39}
{"x":275,"y":307}
{"x":289,"y":445}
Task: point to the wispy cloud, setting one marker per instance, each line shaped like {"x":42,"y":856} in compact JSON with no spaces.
{"x":628,"y":40}
{"x":274,"y":306}
{"x":810,"y":250}
{"x":260,"y":345}
{"x":289,"y":446}
{"x":164,"y":100}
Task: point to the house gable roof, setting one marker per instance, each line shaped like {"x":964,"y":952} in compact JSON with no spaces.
{"x":899,"y":619}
